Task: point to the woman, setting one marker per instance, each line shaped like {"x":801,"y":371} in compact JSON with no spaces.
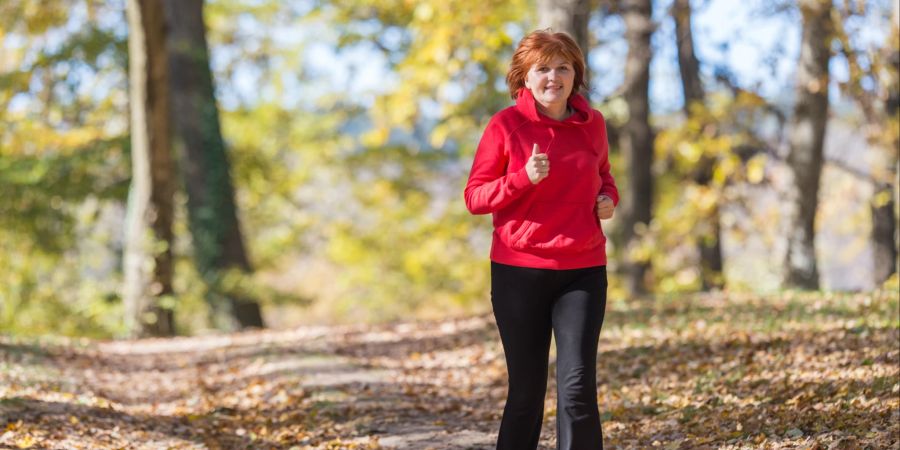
{"x":542,"y":170}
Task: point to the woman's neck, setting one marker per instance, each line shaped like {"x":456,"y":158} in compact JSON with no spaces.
{"x":556,"y":112}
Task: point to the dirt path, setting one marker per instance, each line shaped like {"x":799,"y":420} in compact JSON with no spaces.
{"x":737,"y":374}
{"x":347,"y":386}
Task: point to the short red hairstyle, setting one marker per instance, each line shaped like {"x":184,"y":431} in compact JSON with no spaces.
{"x":540,"y":47}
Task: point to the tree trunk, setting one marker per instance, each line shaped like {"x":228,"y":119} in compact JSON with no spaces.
{"x":709,"y":245}
{"x":638,"y":137}
{"x":148,"y":229}
{"x":806,"y":142}
{"x":687,"y":59}
{"x":212,"y":213}
{"x":570,"y":16}
{"x":884,"y":231}
{"x":884,"y":223}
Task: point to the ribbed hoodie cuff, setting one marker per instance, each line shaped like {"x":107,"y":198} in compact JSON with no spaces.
{"x":612,"y":196}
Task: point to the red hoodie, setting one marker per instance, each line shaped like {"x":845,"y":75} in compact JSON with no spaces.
{"x":552,"y":224}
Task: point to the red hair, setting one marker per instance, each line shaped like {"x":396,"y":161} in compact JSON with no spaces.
{"x":540,"y":47}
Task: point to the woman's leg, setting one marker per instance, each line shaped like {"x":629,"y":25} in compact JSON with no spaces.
{"x":521,"y":298}
{"x":577,"y":318}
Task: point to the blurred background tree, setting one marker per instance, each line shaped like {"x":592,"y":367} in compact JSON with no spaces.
{"x":218,"y":243}
{"x":637,"y":142}
{"x":807,"y":140}
{"x":708,"y":230}
{"x":321,"y":161}
{"x":147,"y":289}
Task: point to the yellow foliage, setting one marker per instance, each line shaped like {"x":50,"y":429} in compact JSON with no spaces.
{"x":882,"y":198}
{"x":756,"y":168}
{"x":375,"y":137}
{"x":689,"y":151}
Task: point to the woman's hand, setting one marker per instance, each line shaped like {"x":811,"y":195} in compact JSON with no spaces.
{"x":605,"y":207}
{"x":538,"y":165}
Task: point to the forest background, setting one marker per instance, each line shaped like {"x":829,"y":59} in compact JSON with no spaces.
{"x":303,"y":162}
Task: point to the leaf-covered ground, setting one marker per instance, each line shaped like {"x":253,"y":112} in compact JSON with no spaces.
{"x":804,"y":371}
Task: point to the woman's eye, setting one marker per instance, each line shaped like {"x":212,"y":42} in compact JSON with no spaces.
{"x":543,"y":69}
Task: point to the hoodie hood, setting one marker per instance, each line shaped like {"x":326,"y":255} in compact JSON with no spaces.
{"x":525,"y":104}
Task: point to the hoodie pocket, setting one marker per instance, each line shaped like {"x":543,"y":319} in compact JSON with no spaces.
{"x":558,"y":227}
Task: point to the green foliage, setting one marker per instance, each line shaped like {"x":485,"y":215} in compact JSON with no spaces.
{"x":718,"y":140}
{"x":49,"y":227}
{"x":68,"y":291}
{"x":405,"y":253}
{"x":40,"y":191}
{"x":63,"y":167}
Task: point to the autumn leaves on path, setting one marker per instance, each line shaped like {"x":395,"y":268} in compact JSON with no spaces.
{"x":406,"y":386}
{"x":794,"y":371}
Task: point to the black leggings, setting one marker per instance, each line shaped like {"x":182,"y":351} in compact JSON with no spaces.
{"x":528,"y":305}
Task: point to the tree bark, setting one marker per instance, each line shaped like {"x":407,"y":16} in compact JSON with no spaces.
{"x":806,"y":138}
{"x":638,"y":136}
{"x":709,"y":245}
{"x":884,"y":222}
{"x":148,"y":230}
{"x":205,"y":168}
{"x":884,"y":232}
{"x":687,"y":58}
{"x":570,"y":16}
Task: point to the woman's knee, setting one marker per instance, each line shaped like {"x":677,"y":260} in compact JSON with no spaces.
{"x":527,"y":395}
{"x":578,"y":385}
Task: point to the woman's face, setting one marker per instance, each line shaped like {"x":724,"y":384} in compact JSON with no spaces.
{"x":551,"y":82}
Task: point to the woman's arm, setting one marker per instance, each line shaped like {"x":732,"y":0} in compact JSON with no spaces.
{"x":608,"y":188}
{"x":490,"y":186}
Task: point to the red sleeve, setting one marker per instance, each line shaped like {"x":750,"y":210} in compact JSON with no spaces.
{"x":608,"y":188}
{"x":490,"y":186}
